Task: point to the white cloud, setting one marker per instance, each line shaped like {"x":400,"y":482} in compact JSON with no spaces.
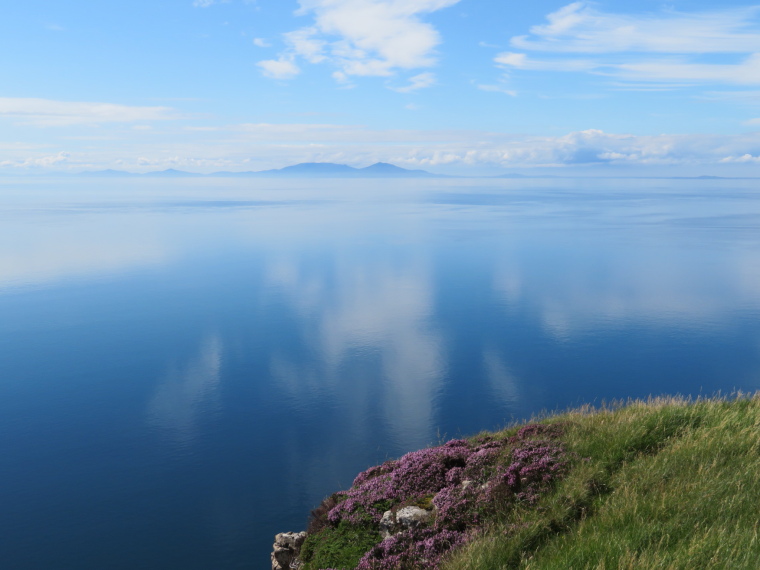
{"x":46,"y":112}
{"x":498,"y":89}
{"x":342,"y":79}
{"x":367,"y":37}
{"x":261,"y":42}
{"x":522,"y":61}
{"x":667,"y":70}
{"x":306,"y":43}
{"x":513,"y":59}
{"x":45,"y":161}
{"x":580,"y":28}
{"x":616,"y":45}
{"x":746,"y":72}
{"x":745,"y":158}
{"x":744,"y":96}
{"x":420,"y":81}
{"x":282,"y":68}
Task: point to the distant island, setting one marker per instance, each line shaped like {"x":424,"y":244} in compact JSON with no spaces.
{"x":377,"y":170}
{"x":302,"y":170}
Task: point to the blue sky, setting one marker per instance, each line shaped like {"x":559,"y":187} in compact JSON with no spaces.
{"x":479,"y":86}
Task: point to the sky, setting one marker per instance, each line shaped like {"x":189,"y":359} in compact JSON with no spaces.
{"x":450,"y":86}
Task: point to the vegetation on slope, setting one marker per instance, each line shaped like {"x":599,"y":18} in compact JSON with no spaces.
{"x":660,"y":484}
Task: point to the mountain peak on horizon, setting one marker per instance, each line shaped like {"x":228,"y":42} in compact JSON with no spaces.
{"x":388,"y":169}
{"x":172,"y":172}
{"x":317,"y":167}
{"x":383,"y":166}
{"x":302,"y":170}
{"x":330,"y":169}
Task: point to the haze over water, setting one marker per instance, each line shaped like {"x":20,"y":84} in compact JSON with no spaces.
{"x":187,"y":367}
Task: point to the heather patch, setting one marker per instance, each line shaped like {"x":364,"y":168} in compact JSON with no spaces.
{"x":463,"y":483}
{"x":410,"y":550}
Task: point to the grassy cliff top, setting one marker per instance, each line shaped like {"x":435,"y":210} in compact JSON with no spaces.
{"x":666,"y":483}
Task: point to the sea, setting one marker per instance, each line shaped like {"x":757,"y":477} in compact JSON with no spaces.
{"x":189,"y":366}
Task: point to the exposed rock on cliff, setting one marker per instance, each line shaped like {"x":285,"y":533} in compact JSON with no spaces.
{"x":285,"y":550}
{"x":404,"y":519}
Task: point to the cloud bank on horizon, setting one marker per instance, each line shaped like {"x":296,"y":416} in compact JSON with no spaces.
{"x":449,"y":85}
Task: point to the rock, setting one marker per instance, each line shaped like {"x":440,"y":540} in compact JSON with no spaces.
{"x":412,"y":517}
{"x":387,"y":524}
{"x":285,"y":551}
{"x":406,"y":518}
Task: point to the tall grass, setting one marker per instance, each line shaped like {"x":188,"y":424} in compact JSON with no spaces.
{"x":666,"y":483}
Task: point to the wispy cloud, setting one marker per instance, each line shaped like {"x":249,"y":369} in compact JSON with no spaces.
{"x":498,"y":89}
{"x":664,"y":47}
{"x":581,"y":28}
{"x":47,"y":112}
{"x":364,"y":38}
{"x":282,"y":68}
{"x":745,"y":158}
{"x":666,"y":70}
{"x":43,"y":161}
{"x":744,"y":96}
{"x":420,"y":81}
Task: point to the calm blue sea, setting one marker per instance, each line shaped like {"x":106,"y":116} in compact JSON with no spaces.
{"x":187,"y":367}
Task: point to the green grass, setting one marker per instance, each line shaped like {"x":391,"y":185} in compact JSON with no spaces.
{"x":340,"y":547}
{"x":660,"y":484}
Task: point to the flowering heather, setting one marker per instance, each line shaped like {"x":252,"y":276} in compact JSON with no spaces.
{"x":364,"y":476}
{"x":367,"y":501}
{"x":534,"y":465}
{"x":424,"y":472}
{"x":412,"y":549}
{"x":457,"y":507}
{"x":481,"y":462}
{"x":467,"y":482}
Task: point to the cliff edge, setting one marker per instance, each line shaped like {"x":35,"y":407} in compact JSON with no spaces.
{"x":662,"y":483}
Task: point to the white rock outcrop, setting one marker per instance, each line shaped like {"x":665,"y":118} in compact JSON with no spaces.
{"x":406,"y":518}
{"x":285,"y":551}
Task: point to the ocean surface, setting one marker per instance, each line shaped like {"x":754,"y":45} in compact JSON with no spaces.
{"x":188,"y":366}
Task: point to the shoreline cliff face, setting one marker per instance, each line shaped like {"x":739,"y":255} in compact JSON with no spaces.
{"x":286,"y":550}
{"x":641,"y":485}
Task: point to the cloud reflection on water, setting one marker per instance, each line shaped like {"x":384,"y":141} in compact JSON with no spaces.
{"x":47,"y":251}
{"x":655,"y":286}
{"x":375,"y":312}
{"x":503,"y":382}
{"x":183,"y":393}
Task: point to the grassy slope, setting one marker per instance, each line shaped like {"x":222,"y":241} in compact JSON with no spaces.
{"x":666,"y":484}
